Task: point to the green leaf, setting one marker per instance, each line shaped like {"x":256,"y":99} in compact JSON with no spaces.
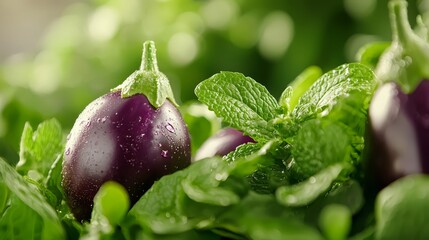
{"x":148,"y":80}
{"x":20,"y":222}
{"x":347,"y":193}
{"x":318,"y":144}
{"x":290,"y":97}
{"x":4,"y":196}
{"x":40,"y":148}
{"x":260,"y":217}
{"x":306,"y":192}
{"x":205,"y":187}
{"x":335,"y":221}
{"x":241,"y":102}
{"x":242,"y":151}
{"x":188,"y":235}
{"x":331,"y":88}
{"x":160,"y":208}
{"x":53,"y":180}
{"x":31,"y":197}
{"x":370,"y":54}
{"x":111,"y":204}
{"x":268,"y":177}
{"x":401,"y":209}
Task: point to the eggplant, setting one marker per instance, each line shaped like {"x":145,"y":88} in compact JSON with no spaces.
{"x":400,"y":132}
{"x":399,"y":110}
{"x":130,"y":136}
{"x":223,"y":142}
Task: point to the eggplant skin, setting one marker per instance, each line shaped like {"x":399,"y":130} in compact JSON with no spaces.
{"x":222,"y":143}
{"x":399,"y":133}
{"x":125,"y":140}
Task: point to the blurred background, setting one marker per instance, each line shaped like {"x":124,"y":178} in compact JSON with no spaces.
{"x":56,"y":56}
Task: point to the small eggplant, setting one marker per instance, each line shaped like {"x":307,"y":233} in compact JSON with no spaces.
{"x":400,"y":132}
{"x":399,"y":111}
{"x":133,"y":135}
{"x":222,"y":143}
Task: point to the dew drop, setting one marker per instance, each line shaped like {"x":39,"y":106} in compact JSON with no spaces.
{"x":98,"y":120}
{"x":164,"y":153}
{"x":67,"y":151}
{"x":88,"y":123}
{"x":170,"y":128}
{"x":103,"y":120}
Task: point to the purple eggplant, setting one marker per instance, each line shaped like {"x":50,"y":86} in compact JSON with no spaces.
{"x":399,"y":111}
{"x":125,"y":137}
{"x":222,"y":143}
{"x":400,"y":132}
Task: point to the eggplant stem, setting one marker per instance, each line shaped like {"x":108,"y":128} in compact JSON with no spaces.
{"x":401,"y":28}
{"x":149,"y":62}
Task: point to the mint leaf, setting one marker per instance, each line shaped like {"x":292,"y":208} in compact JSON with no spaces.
{"x":4,"y":196}
{"x":188,"y":235}
{"x":111,"y":204}
{"x":268,"y":177}
{"x":335,"y":221}
{"x":260,"y":217}
{"x":205,"y":186}
{"x":241,"y":102}
{"x":290,"y":97}
{"x":370,"y":54}
{"x":347,"y":193}
{"x":304,"y":193}
{"x":31,"y":197}
{"x":20,"y":222}
{"x":401,"y":209}
{"x":330,"y":88}
{"x":40,"y":148}
{"x":242,"y":151}
{"x":53,"y":180}
{"x":318,"y":144}
{"x":160,"y":209}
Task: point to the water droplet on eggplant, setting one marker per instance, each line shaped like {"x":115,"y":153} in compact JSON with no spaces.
{"x":170,"y":128}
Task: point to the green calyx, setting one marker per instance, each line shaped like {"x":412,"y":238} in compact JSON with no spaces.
{"x":406,"y":61}
{"x":148,"y":80}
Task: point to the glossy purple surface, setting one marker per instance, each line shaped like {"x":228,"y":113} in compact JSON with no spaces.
{"x":125,"y":140}
{"x":222,"y":143}
{"x":400,"y":132}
